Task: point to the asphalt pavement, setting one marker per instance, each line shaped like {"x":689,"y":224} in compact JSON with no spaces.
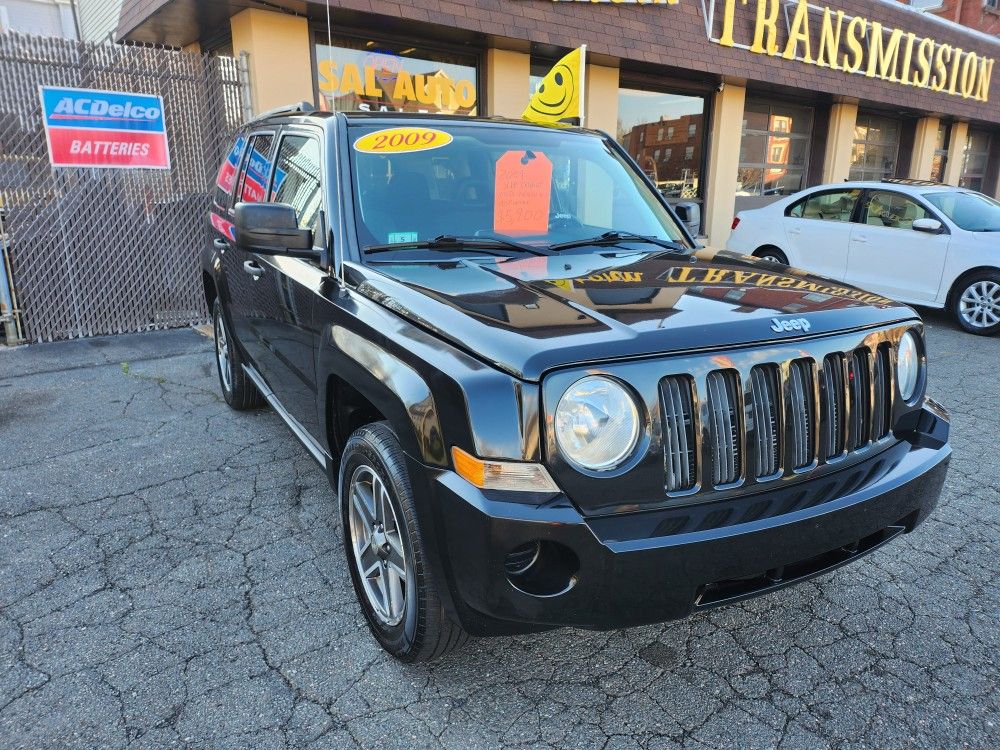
{"x":171,"y":575}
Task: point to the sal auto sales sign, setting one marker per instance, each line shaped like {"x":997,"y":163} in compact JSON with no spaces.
{"x":110,"y":129}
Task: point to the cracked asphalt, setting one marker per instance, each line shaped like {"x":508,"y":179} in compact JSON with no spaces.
{"x":171,"y":575}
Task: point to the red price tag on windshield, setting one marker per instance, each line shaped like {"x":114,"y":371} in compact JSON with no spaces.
{"x":522,"y":191}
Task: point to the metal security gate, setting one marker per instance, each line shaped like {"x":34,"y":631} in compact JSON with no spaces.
{"x":99,"y":251}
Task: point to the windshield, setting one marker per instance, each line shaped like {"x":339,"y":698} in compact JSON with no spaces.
{"x":467,"y":180}
{"x":973,"y":212}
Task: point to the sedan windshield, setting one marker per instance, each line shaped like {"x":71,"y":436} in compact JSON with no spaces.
{"x":973,"y":212}
{"x":473,"y":181}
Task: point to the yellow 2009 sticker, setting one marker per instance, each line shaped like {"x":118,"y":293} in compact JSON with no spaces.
{"x":402,"y":140}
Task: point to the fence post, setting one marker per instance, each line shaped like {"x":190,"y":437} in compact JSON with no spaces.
{"x":9,"y":314}
{"x":243,"y":67}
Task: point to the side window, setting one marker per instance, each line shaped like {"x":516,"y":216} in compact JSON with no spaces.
{"x":296,"y":178}
{"x":884,"y":209}
{"x":225,"y":180}
{"x":256,"y":168}
{"x":837,"y":205}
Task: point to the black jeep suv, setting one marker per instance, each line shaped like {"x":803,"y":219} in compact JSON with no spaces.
{"x":539,"y":402}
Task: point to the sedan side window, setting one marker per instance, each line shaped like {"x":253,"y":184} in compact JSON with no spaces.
{"x":837,"y":205}
{"x":884,"y":209}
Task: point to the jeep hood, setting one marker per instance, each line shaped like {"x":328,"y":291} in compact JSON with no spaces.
{"x":528,"y":315}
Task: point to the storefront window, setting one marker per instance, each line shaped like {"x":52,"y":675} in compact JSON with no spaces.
{"x":977,"y":153}
{"x":665,"y":134}
{"x":940,"y":152}
{"x":774,"y":148}
{"x":876,"y":144}
{"x":369,"y":76}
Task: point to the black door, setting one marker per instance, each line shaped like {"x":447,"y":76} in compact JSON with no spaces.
{"x":286,"y":289}
{"x":250,"y":290}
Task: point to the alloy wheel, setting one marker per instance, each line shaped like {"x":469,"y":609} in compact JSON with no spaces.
{"x":377,"y":543}
{"x":979,"y":305}
{"x":222,"y":353}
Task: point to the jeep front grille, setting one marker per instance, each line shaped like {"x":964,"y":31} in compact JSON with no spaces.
{"x":765,"y":382}
{"x":725,"y":425}
{"x":731,"y":427}
{"x":678,"y":433}
{"x":802,"y":413}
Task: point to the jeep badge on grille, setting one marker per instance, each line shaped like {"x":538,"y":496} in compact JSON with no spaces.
{"x":795,"y":324}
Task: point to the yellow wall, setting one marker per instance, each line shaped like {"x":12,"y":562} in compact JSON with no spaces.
{"x":279,"y":56}
{"x":723,"y":163}
{"x":840,"y":142}
{"x":923,"y":148}
{"x":956,"y":152}
{"x":507,"y":80}
{"x":601,"y":99}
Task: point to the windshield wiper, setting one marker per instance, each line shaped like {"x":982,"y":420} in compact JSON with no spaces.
{"x":615,"y":238}
{"x":448,"y":243}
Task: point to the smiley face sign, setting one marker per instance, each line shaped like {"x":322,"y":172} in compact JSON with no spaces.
{"x":558,"y":95}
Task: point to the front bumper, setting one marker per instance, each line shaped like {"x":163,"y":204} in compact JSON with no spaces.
{"x":644,"y":567}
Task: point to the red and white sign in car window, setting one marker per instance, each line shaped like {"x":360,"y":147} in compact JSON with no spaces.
{"x":107,"y":129}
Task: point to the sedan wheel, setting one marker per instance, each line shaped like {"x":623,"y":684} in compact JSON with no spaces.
{"x":378,"y":546}
{"x":975,"y":303}
{"x":979,"y":305}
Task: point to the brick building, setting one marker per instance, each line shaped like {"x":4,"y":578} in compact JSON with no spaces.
{"x":982,"y":15}
{"x":742,"y":102}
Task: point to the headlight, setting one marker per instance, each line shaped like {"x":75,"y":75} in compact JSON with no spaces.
{"x":596,"y":423}
{"x":908,"y":365}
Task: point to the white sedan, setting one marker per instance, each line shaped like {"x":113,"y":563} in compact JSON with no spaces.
{"x":921,"y":243}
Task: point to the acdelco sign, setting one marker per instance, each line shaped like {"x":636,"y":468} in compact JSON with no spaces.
{"x":89,"y":128}
{"x":83,"y":108}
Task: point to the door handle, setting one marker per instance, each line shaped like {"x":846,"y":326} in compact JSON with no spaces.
{"x":861,"y":239}
{"x":220,"y":244}
{"x":795,"y":231}
{"x":251,"y":267}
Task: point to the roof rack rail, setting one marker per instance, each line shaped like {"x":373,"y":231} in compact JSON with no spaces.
{"x":302,"y":107}
{"x":910,"y":181}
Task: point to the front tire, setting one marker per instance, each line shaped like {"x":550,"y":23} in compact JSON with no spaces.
{"x":385,"y":550}
{"x":975,"y":303}
{"x":238,"y":390}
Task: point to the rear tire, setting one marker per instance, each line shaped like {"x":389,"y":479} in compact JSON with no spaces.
{"x":771,"y":254}
{"x":385,"y":550}
{"x":975,"y":303}
{"x":238,"y":390}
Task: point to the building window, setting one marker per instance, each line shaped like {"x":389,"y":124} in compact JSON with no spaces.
{"x":876,"y":144}
{"x":977,"y":152}
{"x":369,"y":76}
{"x":940,"y":160}
{"x":641,"y":114}
{"x":774,"y":148}
{"x":692,"y":129}
{"x":659,"y":134}
{"x":656,"y":155}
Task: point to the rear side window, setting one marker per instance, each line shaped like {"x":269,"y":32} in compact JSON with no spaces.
{"x":296,"y":178}
{"x":256,"y":170}
{"x":836,"y":205}
{"x":225,"y":180}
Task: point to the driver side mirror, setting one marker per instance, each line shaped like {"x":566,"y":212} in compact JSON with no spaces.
{"x":272,"y":229}
{"x":931,"y":226}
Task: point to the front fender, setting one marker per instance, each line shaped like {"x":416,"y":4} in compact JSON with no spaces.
{"x":395,"y":388}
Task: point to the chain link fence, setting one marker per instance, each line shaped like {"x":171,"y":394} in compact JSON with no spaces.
{"x":101,"y":251}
